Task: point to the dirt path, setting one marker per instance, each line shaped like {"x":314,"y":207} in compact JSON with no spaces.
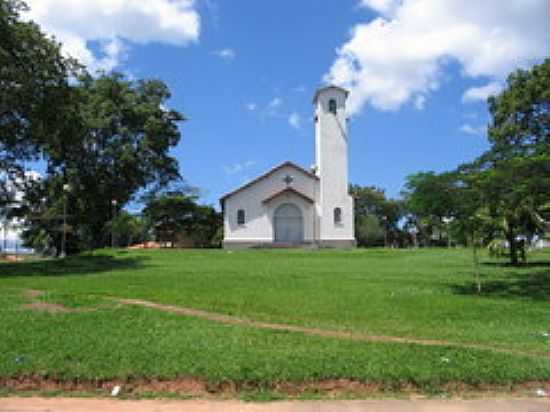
{"x":94,"y":405}
{"x":36,"y":304}
{"x":357,"y":336}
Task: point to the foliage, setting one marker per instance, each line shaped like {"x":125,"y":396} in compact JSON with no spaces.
{"x":34,"y":93}
{"x":369,"y":232}
{"x":515,"y":173}
{"x":374,"y":213}
{"x":120,"y":146}
{"x":520,"y":123}
{"x":128,"y":229}
{"x":503,"y":193}
{"x":177,"y":218}
{"x":431,"y":200}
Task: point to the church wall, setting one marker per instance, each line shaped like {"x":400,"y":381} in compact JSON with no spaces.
{"x":258,"y":227}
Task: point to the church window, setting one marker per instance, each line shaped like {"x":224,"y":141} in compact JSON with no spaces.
{"x":332,"y":106}
{"x":337,"y":215}
{"x":241,"y":217}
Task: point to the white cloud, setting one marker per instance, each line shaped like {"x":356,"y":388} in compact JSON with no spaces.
{"x":420,"y":102}
{"x":251,"y":107}
{"x":300,"y":89}
{"x":273,"y":108}
{"x":381,"y":6}
{"x":401,"y":55}
{"x":115,"y":24}
{"x":238,"y":167}
{"x":474,"y":94}
{"x":295,"y":120}
{"x":473,"y":130}
{"x":227,"y":54}
{"x":275,"y":103}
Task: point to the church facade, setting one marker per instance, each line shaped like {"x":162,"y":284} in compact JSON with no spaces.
{"x":293,"y":206}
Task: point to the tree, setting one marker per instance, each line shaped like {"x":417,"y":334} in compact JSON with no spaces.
{"x":515,"y":172}
{"x":431,"y":199}
{"x":383,"y":216}
{"x":177,"y":218}
{"x":34,"y":93}
{"x":369,"y":232}
{"x":128,"y":229}
{"x":520,"y":124}
{"x":512,"y":189}
{"x":119,"y":145}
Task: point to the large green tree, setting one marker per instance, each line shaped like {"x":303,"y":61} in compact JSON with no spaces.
{"x":34,"y":93}
{"x":515,"y":172}
{"x":119,"y":146}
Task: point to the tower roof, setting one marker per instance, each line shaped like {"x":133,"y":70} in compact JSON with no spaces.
{"x":328,"y":87}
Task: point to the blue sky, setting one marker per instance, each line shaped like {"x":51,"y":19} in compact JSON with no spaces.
{"x":244,"y":73}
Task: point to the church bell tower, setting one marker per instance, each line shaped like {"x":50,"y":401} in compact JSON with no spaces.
{"x":335,"y":205}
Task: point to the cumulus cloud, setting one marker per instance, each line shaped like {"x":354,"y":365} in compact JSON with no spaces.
{"x":295,"y":120}
{"x":473,"y":130}
{"x":251,"y":107}
{"x":226,"y":54}
{"x":402,"y":54}
{"x":474,"y":94}
{"x":115,"y":24}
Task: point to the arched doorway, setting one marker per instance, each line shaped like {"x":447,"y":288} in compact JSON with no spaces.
{"x":288,"y":224}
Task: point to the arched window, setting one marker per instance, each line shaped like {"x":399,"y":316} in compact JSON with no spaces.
{"x":337,"y":216}
{"x":332,"y":106}
{"x":241,"y":217}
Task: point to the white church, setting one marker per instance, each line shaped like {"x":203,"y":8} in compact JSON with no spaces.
{"x":293,"y":206}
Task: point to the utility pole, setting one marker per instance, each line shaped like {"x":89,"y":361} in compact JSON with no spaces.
{"x":66,"y":189}
{"x":385,"y":220}
{"x":114,"y":204}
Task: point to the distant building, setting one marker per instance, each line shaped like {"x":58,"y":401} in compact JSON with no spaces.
{"x":542,"y":243}
{"x":290,"y":205}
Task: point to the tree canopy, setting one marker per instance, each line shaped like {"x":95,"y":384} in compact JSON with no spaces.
{"x":120,"y":146}
{"x":34,"y":92}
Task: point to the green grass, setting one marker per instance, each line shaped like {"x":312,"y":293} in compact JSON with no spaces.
{"x":427,"y":294}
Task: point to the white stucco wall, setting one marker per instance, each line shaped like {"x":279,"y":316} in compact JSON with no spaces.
{"x":331,"y":142}
{"x":259,"y":215}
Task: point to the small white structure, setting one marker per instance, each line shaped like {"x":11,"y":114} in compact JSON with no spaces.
{"x":289,"y":205}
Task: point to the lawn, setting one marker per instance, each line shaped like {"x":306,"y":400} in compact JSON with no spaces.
{"x":498,"y":337}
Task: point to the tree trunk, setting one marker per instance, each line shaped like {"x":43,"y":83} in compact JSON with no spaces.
{"x":513,"y":246}
{"x":476,"y":264}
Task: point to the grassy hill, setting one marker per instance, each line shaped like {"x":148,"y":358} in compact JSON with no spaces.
{"x":260,"y":319}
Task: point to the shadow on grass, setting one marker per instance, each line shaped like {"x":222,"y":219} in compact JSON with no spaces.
{"x":535,"y":285}
{"x":533,"y":264}
{"x":74,"y":265}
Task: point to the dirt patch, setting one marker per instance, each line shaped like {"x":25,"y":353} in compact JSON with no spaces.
{"x":36,"y":304}
{"x":32,"y":294}
{"x":13,"y":258}
{"x":357,"y":336}
{"x":329,"y":388}
{"x":47,"y":307}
